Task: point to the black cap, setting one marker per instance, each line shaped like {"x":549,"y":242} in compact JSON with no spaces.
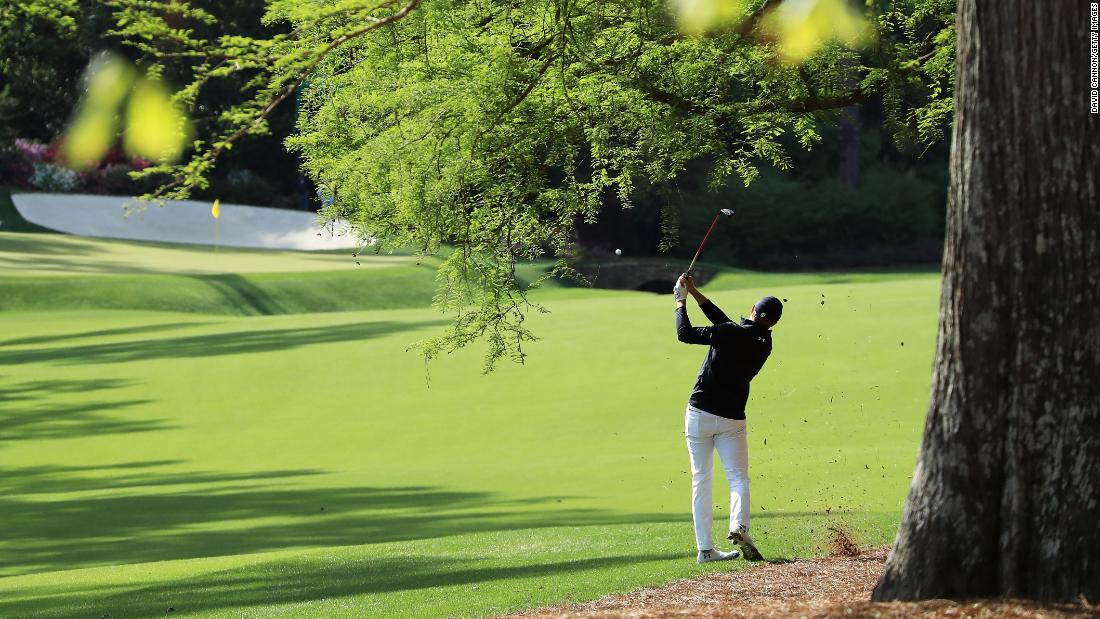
{"x":769,"y":310}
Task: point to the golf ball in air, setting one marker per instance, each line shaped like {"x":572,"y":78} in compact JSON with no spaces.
{"x":618,"y":252}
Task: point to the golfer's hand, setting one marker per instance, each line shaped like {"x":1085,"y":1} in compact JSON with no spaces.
{"x":689,"y":282}
{"x":680,"y":290}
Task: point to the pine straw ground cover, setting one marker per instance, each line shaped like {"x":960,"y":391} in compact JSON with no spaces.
{"x":836,"y":586}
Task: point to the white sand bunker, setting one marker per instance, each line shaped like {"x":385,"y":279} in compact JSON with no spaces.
{"x":182,"y":222}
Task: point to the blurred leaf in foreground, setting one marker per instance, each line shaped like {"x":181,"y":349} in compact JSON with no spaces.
{"x":802,"y":27}
{"x":91,"y":134}
{"x":699,"y":16}
{"x":156,"y":128}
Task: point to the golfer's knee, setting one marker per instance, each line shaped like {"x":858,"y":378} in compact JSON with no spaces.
{"x":738,"y":479}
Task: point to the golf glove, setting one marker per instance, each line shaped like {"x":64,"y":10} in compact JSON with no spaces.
{"x":680,"y":292}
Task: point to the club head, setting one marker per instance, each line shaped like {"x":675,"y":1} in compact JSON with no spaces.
{"x":727,"y":212}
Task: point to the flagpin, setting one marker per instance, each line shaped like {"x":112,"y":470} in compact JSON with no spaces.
{"x":216,"y":211}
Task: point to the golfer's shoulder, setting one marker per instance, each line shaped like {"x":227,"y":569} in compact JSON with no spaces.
{"x":758,"y":336}
{"x":732,"y":330}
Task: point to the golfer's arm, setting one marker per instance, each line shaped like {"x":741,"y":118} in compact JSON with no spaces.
{"x":710,"y":310}
{"x":687,"y":333}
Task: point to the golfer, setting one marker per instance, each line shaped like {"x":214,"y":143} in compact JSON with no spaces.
{"x":715,"y":417}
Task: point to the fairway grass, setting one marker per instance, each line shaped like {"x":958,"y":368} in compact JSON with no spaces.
{"x":47,"y":272}
{"x":304,"y":464}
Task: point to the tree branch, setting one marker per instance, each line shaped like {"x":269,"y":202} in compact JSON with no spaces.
{"x":750,"y":23}
{"x":280,"y":95}
{"x":816,"y":104}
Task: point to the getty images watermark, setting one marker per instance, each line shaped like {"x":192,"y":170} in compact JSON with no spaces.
{"x":1094,"y":57}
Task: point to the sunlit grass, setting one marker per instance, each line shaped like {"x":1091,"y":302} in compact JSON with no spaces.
{"x":306,"y":464}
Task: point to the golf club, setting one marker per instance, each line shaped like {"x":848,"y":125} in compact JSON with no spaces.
{"x":727,"y":212}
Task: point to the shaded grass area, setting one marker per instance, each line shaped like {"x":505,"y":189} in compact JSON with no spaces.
{"x":10,"y":218}
{"x":51,"y":272}
{"x":64,"y":255}
{"x":458,"y":575}
{"x":33,"y":410}
{"x":205,"y":514}
{"x":228,"y":294}
{"x":219,"y":343}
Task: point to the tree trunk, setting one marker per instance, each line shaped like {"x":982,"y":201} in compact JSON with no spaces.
{"x":850,"y":147}
{"x":1006,"y":494}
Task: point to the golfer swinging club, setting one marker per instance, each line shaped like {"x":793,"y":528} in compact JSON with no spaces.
{"x":715,"y":417}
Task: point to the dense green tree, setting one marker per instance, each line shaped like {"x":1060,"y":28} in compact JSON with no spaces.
{"x":44,"y":48}
{"x":495,"y":127}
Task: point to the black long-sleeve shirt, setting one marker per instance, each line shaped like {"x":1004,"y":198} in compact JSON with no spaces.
{"x":737,"y":352}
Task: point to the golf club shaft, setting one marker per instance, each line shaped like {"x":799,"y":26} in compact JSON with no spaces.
{"x":700,"y":250}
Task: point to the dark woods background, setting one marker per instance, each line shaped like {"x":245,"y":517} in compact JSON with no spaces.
{"x":856,"y":200}
{"x":40,"y":89}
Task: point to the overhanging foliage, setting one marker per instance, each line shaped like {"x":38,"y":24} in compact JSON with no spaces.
{"x":496,"y":127}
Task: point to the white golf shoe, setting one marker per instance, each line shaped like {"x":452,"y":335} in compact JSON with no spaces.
{"x":707,"y":556}
{"x":741,"y":537}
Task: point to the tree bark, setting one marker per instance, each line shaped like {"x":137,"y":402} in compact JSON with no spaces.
{"x":1006,"y":494}
{"x":851,"y":147}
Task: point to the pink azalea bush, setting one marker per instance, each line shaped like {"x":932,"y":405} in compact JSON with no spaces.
{"x":26,"y":164}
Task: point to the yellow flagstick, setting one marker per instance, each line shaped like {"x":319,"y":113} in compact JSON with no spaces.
{"x":216,"y":211}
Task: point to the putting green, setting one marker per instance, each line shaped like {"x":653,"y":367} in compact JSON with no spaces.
{"x":305,"y":464}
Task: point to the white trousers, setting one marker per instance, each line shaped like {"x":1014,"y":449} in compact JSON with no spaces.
{"x":705,"y":433}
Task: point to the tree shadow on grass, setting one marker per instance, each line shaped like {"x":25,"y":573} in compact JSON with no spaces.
{"x":54,"y":479}
{"x":33,"y":410}
{"x":160,"y":517}
{"x":70,"y":263}
{"x":314,"y":577}
{"x":31,"y":391}
{"x":243,"y":291}
{"x":73,"y":254}
{"x":56,"y":244}
{"x":80,"y":263}
{"x":132,"y":330}
{"x":70,"y":517}
{"x":211,"y":344}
